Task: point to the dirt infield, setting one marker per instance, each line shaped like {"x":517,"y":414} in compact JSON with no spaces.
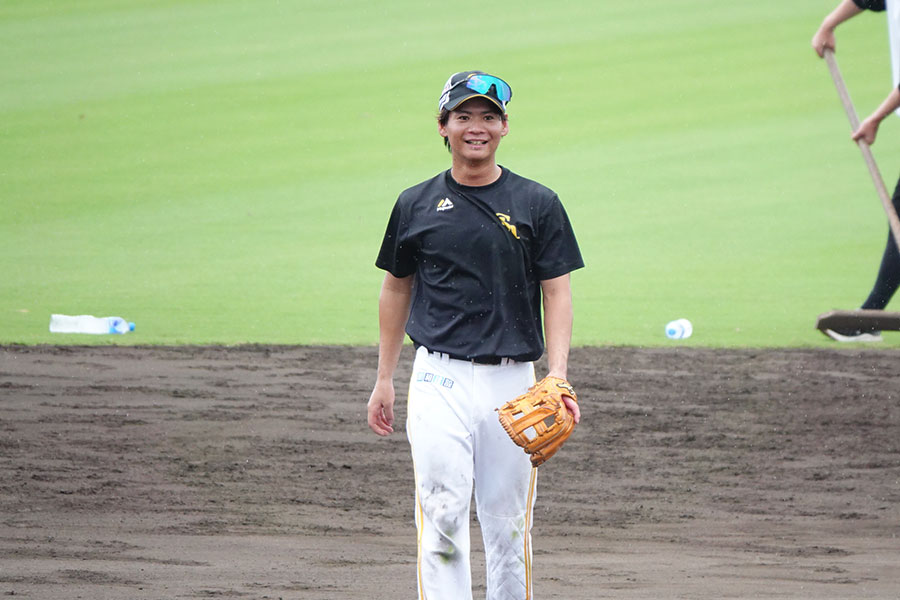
{"x":250,"y":473}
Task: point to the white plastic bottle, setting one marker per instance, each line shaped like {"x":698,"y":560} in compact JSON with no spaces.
{"x":89,"y":324}
{"x":679,"y":329}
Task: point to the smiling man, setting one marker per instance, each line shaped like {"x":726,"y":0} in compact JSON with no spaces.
{"x":471,"y":257}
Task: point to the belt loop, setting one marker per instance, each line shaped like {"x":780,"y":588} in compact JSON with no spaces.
{"x":491,"y":360}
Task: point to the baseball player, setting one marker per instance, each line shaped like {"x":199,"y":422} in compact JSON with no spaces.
{"x":471,"y":255}
{"x":888,"y":278}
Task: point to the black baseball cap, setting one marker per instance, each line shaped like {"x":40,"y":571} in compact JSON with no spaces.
{"x":474,"y":84}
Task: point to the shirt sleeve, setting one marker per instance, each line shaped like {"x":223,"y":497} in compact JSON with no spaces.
{"x":876,"y":5}
{"x":397,"y":255}
{"x":558,"y":252}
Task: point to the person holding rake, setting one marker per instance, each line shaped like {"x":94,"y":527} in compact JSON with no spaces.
{"x":888,"y":279}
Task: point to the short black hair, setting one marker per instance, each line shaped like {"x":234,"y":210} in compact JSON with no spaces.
{"x":444,"y":117}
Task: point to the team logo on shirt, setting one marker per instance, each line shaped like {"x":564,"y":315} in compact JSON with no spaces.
{"x":445,"y":204}
{"x":505,"y":220}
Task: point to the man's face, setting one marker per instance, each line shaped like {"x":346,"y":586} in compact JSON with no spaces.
{"x":474,"y":130}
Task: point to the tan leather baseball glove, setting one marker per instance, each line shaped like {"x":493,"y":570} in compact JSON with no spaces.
{"x":538,"y":420}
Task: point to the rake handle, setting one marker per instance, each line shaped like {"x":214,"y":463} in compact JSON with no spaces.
{"x":893,"y":220}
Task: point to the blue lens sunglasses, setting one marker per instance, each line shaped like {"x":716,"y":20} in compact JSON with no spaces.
{"x":482,"y":84}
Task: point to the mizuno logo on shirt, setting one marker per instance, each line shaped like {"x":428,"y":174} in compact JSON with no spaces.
{"x":445,"y":204}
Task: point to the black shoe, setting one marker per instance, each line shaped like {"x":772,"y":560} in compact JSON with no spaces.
{"x":853,"y":335}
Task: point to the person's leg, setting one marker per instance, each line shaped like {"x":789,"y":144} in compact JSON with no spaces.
{"x":438,"y":428}
{"x":505,"y":485}
{"x":888,"y":278}
{"x":886,"y":283}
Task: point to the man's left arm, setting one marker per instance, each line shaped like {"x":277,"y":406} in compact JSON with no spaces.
{"x":557,"y":295}
{"x":868,"y":129}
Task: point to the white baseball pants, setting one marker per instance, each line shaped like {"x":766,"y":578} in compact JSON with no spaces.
{"x":457,"y":442}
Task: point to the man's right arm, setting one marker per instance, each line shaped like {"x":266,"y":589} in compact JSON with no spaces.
{"x":393,"y":312}
{"x":847,"y":9}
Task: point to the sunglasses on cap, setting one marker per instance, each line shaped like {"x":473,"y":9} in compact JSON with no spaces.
{"x":481,"y":84}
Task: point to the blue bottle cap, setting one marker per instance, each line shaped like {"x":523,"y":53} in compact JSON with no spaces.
{"x":130,"y":326}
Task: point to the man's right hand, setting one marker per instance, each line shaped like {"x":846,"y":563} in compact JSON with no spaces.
{"x":381,"y":408}
{"x":823,"y":39}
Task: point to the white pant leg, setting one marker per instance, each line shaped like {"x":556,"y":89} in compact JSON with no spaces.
{"x":505,"y":485}
{"x":439,"y":420}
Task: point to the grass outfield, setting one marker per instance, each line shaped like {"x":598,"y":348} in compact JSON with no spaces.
{"x":221,"y":172}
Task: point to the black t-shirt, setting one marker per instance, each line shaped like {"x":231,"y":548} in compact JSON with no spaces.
{"x":478,"y":255}
{"x":876,"y":5}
